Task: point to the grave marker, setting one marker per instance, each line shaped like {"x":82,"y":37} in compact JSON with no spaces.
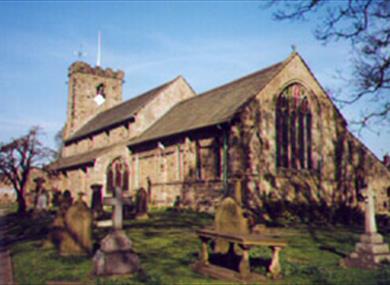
{"x":371,"y":250}
{"x":116,"y":256}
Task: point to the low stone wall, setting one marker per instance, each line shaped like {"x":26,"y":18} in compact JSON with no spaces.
{"x":201,"y":196}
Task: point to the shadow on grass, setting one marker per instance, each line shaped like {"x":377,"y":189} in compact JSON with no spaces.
{"x":327,"y":240}
{"x":16,"y":228}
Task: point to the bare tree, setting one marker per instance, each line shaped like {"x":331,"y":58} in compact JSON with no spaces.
{"x":17,"y":159}
{"x":365,"y":24}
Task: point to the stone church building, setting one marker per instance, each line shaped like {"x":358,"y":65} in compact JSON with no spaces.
{"x":276,"y":129}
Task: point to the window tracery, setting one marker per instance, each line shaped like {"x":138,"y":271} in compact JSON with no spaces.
{"x":293,"y":123}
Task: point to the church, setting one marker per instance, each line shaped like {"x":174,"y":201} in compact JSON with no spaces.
{"x":276,"y":130}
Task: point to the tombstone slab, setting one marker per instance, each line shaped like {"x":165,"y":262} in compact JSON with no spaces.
{"x":229,"y":219}
{"x":141,"y":205}
{"x":77,"y":235}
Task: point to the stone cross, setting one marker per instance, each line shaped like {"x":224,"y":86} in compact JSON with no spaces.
{"x":117,"y":202}
{"x":371,"y":251}
{"x":369,"y":213}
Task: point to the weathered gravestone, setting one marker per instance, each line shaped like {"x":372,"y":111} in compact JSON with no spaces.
{"x":141,"y":204}
{"x":57,"y":229}
{"x":77,"y":237}
{"x":229,"y":219}
{"x":371,"y":250}
{"x":40,"y":197}
{"x":116,"y":256}
{"x":65,"y":201}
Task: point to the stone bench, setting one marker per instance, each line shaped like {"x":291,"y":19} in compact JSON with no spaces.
{"x":245,"y":242}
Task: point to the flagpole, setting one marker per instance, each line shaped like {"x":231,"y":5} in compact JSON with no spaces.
{"x":98,"y":59}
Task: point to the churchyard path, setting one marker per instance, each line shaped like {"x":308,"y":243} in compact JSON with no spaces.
{"x":6,"y":273}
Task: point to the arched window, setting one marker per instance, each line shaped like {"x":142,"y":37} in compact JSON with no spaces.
{"x":117,"y":175}
{"x":100,"y":97}
{"x":293,"y":123}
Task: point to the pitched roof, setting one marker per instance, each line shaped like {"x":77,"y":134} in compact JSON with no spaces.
{"x":213,"y":107}
{"x":78,"y":160}
{"x":117,"y":114}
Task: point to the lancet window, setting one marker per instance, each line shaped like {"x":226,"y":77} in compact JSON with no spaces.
{"x":117,"y":175}
{"x":293,"y":123}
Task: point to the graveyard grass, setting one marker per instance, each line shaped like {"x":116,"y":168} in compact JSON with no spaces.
{"x":167,"y":246}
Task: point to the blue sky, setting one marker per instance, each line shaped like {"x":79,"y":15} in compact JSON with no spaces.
{"x":153,"y":42}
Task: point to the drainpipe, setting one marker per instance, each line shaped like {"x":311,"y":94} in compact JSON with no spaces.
{"x":225,"y":161}
{"x":178,"y":163}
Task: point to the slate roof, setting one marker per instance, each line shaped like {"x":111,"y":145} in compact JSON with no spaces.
{"x":117,"y":114}
{"x":73,"y":161}
{"x":213,"y":107}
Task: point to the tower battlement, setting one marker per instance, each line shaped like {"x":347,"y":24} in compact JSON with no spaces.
{"x":83,"y":67}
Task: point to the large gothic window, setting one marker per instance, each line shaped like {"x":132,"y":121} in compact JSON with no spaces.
{"x":293,"y":123}
{"x":117,"y":175}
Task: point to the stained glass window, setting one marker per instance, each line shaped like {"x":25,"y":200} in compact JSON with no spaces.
{"x":117,"y":175}
{"x":293,"y":124}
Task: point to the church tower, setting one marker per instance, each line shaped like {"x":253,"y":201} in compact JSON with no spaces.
{"x":91,"y":90}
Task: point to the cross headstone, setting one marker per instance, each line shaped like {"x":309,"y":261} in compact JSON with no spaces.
{"x":117,"y":202}
{"x":369,"y":213}
{"x":371,"y":250}
{"x":116,"y":256}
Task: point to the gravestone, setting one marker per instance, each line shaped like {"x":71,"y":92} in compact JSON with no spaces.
{"x":238,"y":191}
{"x":57,"y":229}
{"x":97,"y":203}
{"x":77,"y":237}
{"x":177,"y":205}
{"x":371,"y":250}
{"x":55,"y":201}
{"x":42,"y":201}
{"x":65,"y":201}
{"x":116,"y":256}
{"x":39,"y":198}
{"x":141,"y":204}
{"x":229,"y":219}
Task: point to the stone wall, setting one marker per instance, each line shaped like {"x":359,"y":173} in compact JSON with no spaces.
{"x":185,"y":166}
{"x":177,"y":91}
{"x":81,"y":179}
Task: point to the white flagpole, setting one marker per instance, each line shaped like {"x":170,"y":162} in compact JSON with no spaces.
{"x":98,"y":60}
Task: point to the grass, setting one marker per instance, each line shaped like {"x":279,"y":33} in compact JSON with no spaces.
{"x":8,"y":208}
{"x":167,"y":246}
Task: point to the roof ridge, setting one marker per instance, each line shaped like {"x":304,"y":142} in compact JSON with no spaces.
{"x":252,"y":74}
{"x":163,"y":86}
